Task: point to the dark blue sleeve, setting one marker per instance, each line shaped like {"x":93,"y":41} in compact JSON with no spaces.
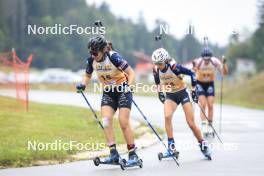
{"x":178,"y":69}
{"x":89,"y":65}
{"x":118,"y":61}
{"x":156,"y":76}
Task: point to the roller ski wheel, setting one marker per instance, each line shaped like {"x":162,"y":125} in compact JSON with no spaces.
{"x":140,"y":163}
{"x":96,"y":161}
{"x":160,"y":156}
{"x":122,"y":164}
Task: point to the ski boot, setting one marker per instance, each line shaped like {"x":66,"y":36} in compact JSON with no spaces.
{"x":205,"y":150}
{"x":113,"y":157}
{"x":133,"y":159}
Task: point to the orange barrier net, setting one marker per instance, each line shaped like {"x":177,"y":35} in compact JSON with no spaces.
{"x":14,"y":77}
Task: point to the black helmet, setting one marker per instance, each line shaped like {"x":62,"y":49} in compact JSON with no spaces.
{"x":207,"y":52}
{"x":97,"y":43}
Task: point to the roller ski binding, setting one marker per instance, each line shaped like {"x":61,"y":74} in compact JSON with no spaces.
{"x":168,"y":154}
{"x":133,"y":160}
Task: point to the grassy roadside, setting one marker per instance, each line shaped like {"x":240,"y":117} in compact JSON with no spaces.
{"x":45,"y":124}
{"x":247,"y":93}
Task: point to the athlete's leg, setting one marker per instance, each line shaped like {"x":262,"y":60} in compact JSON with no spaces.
{"x":189,"y":115}
{"x":169,"y":108}
{"x":201,"y":93}
{"x":210,"y":103}
{"x":124,"y":104}
{"x":107,"y":113}
{"x":203,"y":103}
{"x":124,"y":114}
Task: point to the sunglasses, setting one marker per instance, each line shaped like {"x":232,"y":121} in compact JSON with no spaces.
{"x":206,"y":58}
{"x":94,"y":53}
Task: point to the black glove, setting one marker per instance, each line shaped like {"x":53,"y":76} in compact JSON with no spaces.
{"x":194,"y":96}
{"x":224,"y":61}
{"x":162,"y":97}
{"x":80,"y":87}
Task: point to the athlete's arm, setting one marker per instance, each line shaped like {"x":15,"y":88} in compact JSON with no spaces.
{"x":221,"y":66}
{"x":225,"y":69}
{"x":130,"y":75}
{"x":86,"y":78}
{"x":157,"y":82}
{"x":194,"y":65}
{"x":88,"y":71}
{"x":156,"y":78}
{"x":122,"y":64}
{"x":178,"y":69}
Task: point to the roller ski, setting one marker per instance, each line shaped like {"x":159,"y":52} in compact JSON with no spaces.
{"x":171,"y":152}
{"x":168,"y":154}
{"x":133,"y":160}
{"x":113,"y":159}
{"x":205,"y":150}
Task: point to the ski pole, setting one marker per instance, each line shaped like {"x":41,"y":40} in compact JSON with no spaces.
{"x":221,"y":101}
{"x":209,"y":122}
{"x":155,"y":132}
{"x":95,"y":116}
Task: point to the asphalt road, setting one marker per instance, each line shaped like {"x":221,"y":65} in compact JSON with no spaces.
{"x":241,"y":154}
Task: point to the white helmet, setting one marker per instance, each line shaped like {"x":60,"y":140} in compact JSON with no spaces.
{"x":160,"y":56}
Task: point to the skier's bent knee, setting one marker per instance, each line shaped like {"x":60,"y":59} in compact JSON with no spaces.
{"x":106,"y":122}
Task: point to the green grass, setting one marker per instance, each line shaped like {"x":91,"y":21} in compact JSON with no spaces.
{"x":247,"y":93}
{"x":44,"y":123}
